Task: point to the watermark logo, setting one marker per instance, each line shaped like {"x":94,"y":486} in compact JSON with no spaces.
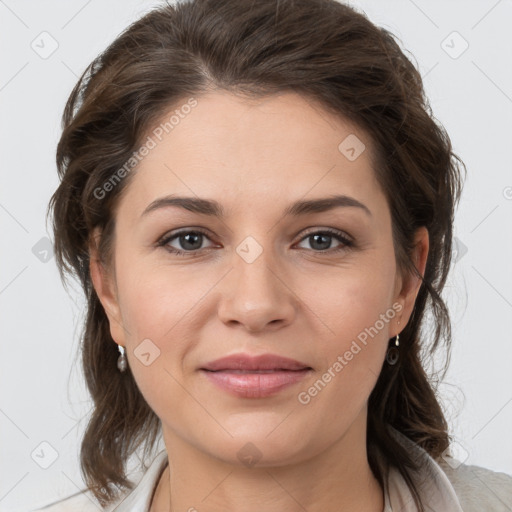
{"x":459,"y":250}
{"x":351,"y":147}
{"x":44,"y":455}
{"x":249,"y":455}
{"x":455,"y":455}
{"x":454,"y":45}
{"x":147,"y":352}
{"x":249,"y":249}
{"x":43,"y":250}
{"x":45,"y":45}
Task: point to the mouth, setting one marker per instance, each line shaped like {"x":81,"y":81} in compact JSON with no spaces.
{"x":246,"y":376}
{"x":248,"y":363}
{"x":227,"y":370}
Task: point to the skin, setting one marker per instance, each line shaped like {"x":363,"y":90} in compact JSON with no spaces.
{"x":255,"y":158}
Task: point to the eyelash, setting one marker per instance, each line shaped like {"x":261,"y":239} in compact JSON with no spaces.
{"x":338,"y":235}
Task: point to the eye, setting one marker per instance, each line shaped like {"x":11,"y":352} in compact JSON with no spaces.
{"x":321,"y":240}
{"x":188,"y":241}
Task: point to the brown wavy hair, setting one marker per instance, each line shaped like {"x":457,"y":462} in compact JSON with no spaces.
{"x":325,"y":51}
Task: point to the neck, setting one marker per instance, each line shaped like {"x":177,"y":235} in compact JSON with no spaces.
{"x":338,"y":479}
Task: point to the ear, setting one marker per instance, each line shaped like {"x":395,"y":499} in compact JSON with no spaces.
{"x":408,"y":286}
{"x":104,"y":284}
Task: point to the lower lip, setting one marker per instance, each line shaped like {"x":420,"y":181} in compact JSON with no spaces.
{"x":255,"y":385}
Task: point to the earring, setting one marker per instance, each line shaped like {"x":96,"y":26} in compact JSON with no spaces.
{"x":393,"y":352}
{"x":121,"y":361}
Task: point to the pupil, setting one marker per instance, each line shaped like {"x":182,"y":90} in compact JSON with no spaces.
{"x":187,"y":241}
{"x":325,"y":237}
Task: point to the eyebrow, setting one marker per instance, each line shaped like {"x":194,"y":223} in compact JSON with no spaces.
{"x":214,"y":209}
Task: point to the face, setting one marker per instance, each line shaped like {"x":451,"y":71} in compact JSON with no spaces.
{"x":316,"y":284}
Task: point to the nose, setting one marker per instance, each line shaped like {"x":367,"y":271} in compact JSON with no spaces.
{"x":257,"y":295}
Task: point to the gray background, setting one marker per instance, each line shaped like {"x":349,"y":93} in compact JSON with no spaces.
{"x":42,"y":396}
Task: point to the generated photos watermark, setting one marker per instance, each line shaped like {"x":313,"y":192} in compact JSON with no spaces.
{"x":337,"y":366}
{"x":150,"y":143}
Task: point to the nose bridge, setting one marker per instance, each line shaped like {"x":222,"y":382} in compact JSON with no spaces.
{"x":255,"y":272}
{"x":256,"y":296}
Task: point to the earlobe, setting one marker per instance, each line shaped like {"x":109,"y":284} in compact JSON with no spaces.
{"x":104,"y":287}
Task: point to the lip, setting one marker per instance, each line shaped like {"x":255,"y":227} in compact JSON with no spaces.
{"x":253,"y":363}
{"x":261,"y":376}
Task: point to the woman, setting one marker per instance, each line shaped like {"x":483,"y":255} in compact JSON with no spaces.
{"x":259,"y":207}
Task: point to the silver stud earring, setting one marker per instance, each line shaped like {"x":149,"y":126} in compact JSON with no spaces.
{"x":393,"y":352}
{"x":121,"y":361}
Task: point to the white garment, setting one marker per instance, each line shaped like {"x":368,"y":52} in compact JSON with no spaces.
{"x":446,"y":487}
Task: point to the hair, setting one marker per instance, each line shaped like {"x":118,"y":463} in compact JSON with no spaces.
{"x":325,"y":51}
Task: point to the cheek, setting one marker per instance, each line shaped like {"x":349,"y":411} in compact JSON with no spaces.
{"x":161,"y":310}
{"x":349,"y":298}
{"x":156,"y":298}
{"x":354,"y":308}
{"x":158,"y":309}
{"x":352,"y":359}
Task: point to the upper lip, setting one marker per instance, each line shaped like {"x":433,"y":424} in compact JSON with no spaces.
{"x":261,"y":362}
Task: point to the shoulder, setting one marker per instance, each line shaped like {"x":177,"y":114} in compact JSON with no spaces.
{"x":85,"y":501}
{"x":136,"y":499}
{"x":479,"y":488}
{"x":79,"y":502}
{"x":475,"y":489}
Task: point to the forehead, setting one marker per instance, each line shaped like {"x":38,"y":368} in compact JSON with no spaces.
{"x":272,"y":147}
{"x":284,"y":125}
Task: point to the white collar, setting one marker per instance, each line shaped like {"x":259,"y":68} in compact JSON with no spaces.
{"x":139,"y":499}
{"x":434,"y":488}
